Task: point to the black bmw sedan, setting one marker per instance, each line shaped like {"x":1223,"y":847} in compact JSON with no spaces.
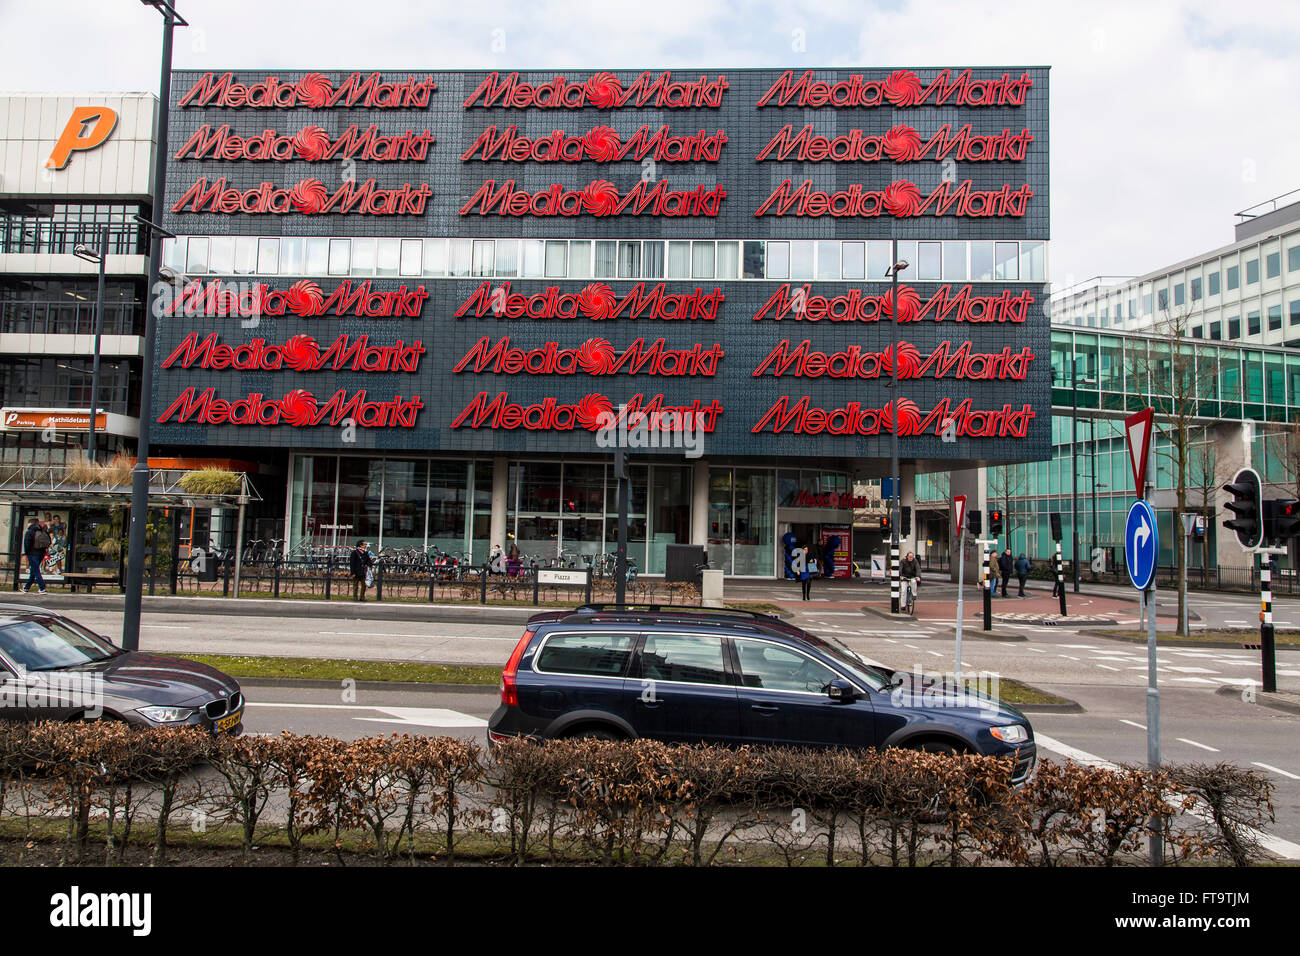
{"x":52,"y":668}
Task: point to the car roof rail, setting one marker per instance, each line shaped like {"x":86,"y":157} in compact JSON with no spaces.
{"x":675,"y":609}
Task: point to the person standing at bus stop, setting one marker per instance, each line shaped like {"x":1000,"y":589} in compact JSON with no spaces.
{"x":36,"y":541}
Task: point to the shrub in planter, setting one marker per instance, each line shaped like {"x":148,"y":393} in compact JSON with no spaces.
{"x":211,"y":481}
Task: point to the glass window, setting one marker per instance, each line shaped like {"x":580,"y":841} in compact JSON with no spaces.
{"x":533,"y":255}
{"x":483,"y":258}
{"x":460,"y":256}
{"x":557,"y":259}
{"x":221,"y":257}
{"x":929,"y":260}
{"x":603,"y":654}
{"x":981,"y":261}
{"x":828,"y":260}
{"x":754,"y":529}
{"x":1197,"y":332}
{"x":954,"y":261}
{"x":245,"y":255}
{"x":688,"y":659}
{"x":1273,"y":265}
{"x":1033,"y":261}
{"x":1212,"y":283}
{"x":435,"y":257}
{"x":1293,"y":259}
{"x":1233,"y":277}
{"x":1196,"y":290}
{"x":317,"y":257}
{"x":197,"y":261}
{"x":754,"y":261}
{"x":679,"y":260}
{"x":652,"y":260}
{"x":507,"y":257}
{"x":1234,"y":327}
{"x":1180,"y":294}
{"x":1007,"y":268}
{"x":769,"y":667}
{"x":854,"y":259}
{"x":268,"y":256}
{"x":580,"y":259}
{"x":340,"y":250}
{"x":173,"y":252}
{"x":1252,"y":271}
{"x":410,"y":257}
{"x":702,"y":260}
{"x":388,"y":259}
{"x":629,"y":260}
{"x":1294,"y":317}
{"x":801,"y":260}
{"x":606,"y":260}
{"x":1162,"y":300}
{"x":1274,"y":317}
{"x":363,"y":257}
{"x":778,"y":260}
{"x":1216,"y":330}
{"x":728,"y":260}
{"x":1252,"y":322}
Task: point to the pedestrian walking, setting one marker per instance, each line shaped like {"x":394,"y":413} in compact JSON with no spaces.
{"x":1006,"y":564}
{"x":359,"y":563}
{"x":1022,"y":571}
{"x":806,"y":575}
{"x":36,"y":541}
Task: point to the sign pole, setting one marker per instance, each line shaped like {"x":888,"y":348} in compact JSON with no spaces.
{"x":1060,"y":577}
{"x":1153,"y":681}
{"x":988,"y":584}
{"x":1267,"y":648}
{"x":959,"y":503}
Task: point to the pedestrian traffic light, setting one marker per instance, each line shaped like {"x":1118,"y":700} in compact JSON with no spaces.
{"x":1281,"y":519}
{"x":1248,"y":518}
{"x":905,"y":524}
{"x":1055,"y":517}
{"x":884,"y":524}
{"x":974,"y":522}
{"x":995,"y":522}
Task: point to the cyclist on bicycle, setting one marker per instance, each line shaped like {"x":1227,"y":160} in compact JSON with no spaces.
{"x":910,"y":571}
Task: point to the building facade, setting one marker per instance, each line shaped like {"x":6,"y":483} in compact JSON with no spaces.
{"x":426,"y":307}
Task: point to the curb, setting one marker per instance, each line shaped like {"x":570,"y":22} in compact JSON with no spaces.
{"x":1072,"y":707}
{"x":1162,"y":641}
{"x":321,"y":684}
{"x":1271,"y":701}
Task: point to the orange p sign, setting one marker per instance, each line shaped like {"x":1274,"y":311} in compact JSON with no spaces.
{"x":80,"y":135}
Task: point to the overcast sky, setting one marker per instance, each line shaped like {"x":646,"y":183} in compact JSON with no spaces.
{"x":1167,"y":117}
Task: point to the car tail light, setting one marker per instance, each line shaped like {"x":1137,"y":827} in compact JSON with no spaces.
{"x":509,"y":689}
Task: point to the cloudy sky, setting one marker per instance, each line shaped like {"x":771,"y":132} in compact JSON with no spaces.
{"x":1168,"y":116}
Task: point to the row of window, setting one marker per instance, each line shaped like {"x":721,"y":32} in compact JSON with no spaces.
{"x":856,"y":260}
{"x":67,"y":306}
{"x":58,"y":228}
{"x":64,"y":382}
{"x":1232,"y":326}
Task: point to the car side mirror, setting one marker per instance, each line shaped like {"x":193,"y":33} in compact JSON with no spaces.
{"x":841,"y":691}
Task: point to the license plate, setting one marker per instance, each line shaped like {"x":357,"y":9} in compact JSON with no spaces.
{"x":229,"y":722}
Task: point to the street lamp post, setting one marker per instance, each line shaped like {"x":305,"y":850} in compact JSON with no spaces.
{"x":140,"y":474}
{"x":100,"y":258}
{"x":1074,"y":463}
{"x":895,"y":501}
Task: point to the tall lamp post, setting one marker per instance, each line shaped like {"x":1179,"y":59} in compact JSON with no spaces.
{"x":140,"y":474}
{"x":895,"y":509}
{"x":100,"y":257}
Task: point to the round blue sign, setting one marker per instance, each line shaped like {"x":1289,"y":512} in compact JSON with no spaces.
{"x":1141,"y":544}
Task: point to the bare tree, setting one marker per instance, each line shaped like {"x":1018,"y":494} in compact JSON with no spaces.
{"x":1008,"y":485}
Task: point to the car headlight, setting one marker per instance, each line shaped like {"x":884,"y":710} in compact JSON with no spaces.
{"x":167,"y":715}
{"x":1010,"y":734}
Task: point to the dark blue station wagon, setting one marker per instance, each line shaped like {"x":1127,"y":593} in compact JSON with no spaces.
{"x":686,"y":675}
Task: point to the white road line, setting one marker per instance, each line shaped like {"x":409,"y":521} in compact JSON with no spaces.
{"x":1108,"y":667}
{"x":1134,"y":723}
{"x":1283,"y":848}
{"x":171,"y":627}
{"x":1213,"y":750}
{"x":1275,"y":769}
{"x":912,"y":646}
{"x":1235,"y":622}
{"x":935,"y":653}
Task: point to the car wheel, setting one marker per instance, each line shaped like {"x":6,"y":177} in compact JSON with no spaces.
{"x":939,"y":747}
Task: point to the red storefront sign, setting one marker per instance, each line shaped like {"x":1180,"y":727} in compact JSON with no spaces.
{"x":900,"y":88}
{"x":596,"y":301}
{"x":312,"y":91}
{"x":602,"y":90}
{"x":311,"y":143}
{"x":901,"y":199}
{"x":591,"y":412}
{"x":305,"y":299}
{"x":826,"y":499}
{"x":963,"y":305}
{"x":308,"y":196}
{"x":600,"y":197}
{"x":593,"y":357}
{"x":803,"y":418}
{"x":300,"y":408}
{"x":601,"y":144}
{"x":900,"y":143}
{"x":944,"y":361}
{"x":301,"y":353}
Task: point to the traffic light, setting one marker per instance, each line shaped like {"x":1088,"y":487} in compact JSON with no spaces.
{"x":1248,"y":517}
{"x":905,"y":524}
{"x":1055,"y":517}
{"x":995,"y":522}
{"x":974,"y":522}
{"x":884,"y":524}
{"x":1281,"y":519}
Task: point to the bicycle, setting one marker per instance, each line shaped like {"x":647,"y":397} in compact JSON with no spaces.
{"x":910,"y":587}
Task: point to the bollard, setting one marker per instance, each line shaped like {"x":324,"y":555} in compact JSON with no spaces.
{"x":482,"y":584}
{"x":535,"y":587}
{"x":379,"y":580}
{"x":276,"y":586}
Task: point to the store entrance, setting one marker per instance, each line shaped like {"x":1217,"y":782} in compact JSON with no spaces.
{"x":829,"y":544}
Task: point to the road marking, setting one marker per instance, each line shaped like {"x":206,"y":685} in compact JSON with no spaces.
{"x":1213,"y":750}
{"x":418,"y":716}
{"x":1108,"y":667}
{"x":912,"y":646}
{"x":1235,"y":622}
{"x":1036,"y":650}
{"x":1134,"y":723}
{"x":935,"y":653}
{"x":1275,"y":769}
{"x":170,"y":627}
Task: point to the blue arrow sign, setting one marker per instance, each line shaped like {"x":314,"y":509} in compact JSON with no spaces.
{"x":1141,"y":544}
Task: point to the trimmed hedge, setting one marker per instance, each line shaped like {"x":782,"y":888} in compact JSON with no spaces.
{"x":412,"y":799}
